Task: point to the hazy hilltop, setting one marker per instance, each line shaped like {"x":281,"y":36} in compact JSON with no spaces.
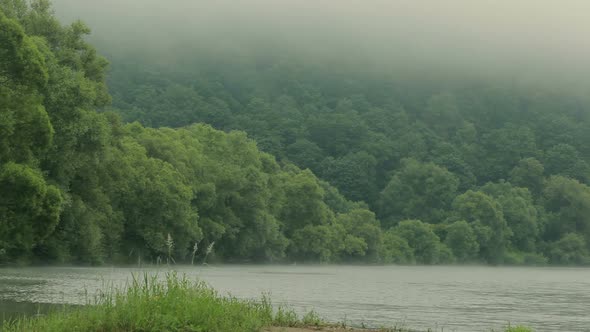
{"x":329,"y":131}
{"x":518,"y":39}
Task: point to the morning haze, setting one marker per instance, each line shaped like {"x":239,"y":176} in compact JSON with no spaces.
{"x":526,"y":35}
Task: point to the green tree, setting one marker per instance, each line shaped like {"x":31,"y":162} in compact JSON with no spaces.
{"x":569,"y":250}
{"x":363,"y":225}
{"x":154,"y":201}
{"x":337,"y":133}
{"x":418,"y":190}
{"x":302,"y":202}
{"x":528,"y":174}
{"x":450,"y":157}
{"x":353,"y":175}
{"x":564,"y":159}
{"x":462,"y":241}
{"x":502,"y":149}
{"x":29,"y":210}
{"x":519,"y":211}
{"x":396,"y":249}
{"x":421,"y":239}
{"x":305,"y":154}
{"x":323,"y":243}
{"x":25,"y":129}
{"x":567,"y":203}
{"x":485,"y":215}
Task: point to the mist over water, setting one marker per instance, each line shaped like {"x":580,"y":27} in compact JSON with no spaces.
{"x":462,"y":299}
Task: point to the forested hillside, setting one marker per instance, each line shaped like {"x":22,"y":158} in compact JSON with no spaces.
{"x":273,"y":158}
{"x":80,"y":186}
{"x":495,"y":170}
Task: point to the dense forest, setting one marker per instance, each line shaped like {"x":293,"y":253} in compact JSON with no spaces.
{"x":270,"y":158}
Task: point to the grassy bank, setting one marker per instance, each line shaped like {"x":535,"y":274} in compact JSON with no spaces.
{"x":174,"y":304}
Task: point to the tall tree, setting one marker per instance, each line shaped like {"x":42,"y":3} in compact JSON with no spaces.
{"x":418,"y":190}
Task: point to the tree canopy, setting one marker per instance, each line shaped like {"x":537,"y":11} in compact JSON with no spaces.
{"x":271,"y":158}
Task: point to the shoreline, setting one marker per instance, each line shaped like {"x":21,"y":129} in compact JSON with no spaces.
{"x":150,"y":304}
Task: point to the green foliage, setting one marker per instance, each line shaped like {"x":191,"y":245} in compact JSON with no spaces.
{"x":485,"y":215}
{"x":29,"y":209}
{"x":571,"y":249}
{"x":503,"y":148}
{"x":396,"y":249}
{"x":567,"y":203}
{"x":519,"y":211}
{"x":564,"y":159}
{"x":353,"y":174}
{"x":292,"y":161}
{"x":445,"y":254}
{"x":363,"y":228}
{"x":25,"y":129}
{"x":420,"y":237}
{"x":154,"y":202}
{"x":302,"y":201}
{"x":418,"y":190}
{"x":462,"y":241}
{"x":528,"y":174}
{"x":20,"y":61}
{"x":323,"y":243}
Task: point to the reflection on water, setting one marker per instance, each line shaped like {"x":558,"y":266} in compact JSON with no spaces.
{"x":449,"y":298}
{"x":11,"y":309}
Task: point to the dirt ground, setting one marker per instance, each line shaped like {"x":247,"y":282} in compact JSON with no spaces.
{"x":312,"y":329}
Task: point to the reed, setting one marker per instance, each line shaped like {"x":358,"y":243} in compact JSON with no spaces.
{"x":195,"y":248}
{"x":170,"y":247}
{"x":208,"y":251}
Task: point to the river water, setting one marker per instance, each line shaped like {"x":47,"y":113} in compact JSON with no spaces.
{"x":442,"y":298}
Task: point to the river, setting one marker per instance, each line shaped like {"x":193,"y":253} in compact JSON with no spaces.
{"x":443,"y":298}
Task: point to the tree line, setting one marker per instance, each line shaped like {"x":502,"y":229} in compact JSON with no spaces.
{"x":274,"y":160}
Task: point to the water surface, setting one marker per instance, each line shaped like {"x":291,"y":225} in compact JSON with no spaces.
{"x":444,"y":298}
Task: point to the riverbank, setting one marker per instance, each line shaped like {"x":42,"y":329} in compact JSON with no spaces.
{"x":175,"y":304}
{"x":344,"y":329}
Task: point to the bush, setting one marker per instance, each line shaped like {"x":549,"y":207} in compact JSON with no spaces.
{"x":513,"y":258}
{"x":535,"y":259}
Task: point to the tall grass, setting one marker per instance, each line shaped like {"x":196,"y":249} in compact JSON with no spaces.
{"x":208,"y":251}
{"x":195,"y":248}
{"x":150,"y":304}
{"x":170,"y":246}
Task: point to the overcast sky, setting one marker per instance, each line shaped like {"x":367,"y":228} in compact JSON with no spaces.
{"x":554,"y":35}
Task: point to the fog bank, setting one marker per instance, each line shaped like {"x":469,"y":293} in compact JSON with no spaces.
{"x":525,"y":36}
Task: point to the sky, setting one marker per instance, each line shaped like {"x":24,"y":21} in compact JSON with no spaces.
{"x":518,"y":35}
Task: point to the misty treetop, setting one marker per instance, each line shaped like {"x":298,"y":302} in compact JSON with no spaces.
{"x":270,"y":158}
